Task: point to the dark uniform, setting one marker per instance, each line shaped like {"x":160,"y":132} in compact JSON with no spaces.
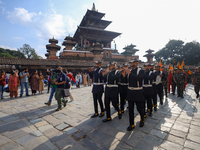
{"x":135,"y":95}
{"x":111,"y":93}
{"x":123,"y":87}
{"x":148,"y":90}
{"x":173,"y":82}
{"x":180,"y":79}
{"x":154,"y":97}
{"x":197,"y":83}
{"x":165,"y":81}
{"x":159,"y":86}
{"x":97,"y":90}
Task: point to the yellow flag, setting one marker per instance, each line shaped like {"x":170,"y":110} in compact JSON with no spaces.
{"x":182,"y":64}
{"x":170,"y":67}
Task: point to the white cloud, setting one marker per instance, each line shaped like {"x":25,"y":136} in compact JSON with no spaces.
{"x":21,"y":16}
{"x":0,"y":2}
{"x":7,"y":47}
{"x":46,"y":25}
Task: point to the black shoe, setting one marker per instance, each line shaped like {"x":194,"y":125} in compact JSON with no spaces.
{"x":58,"y":109}
{"x":155,"y":108}
{"x":106,"y":120}
{"x":161,"y":102}
{"x":120,"y":114}
{"x":27,"y":95}
{"x":65,"y":103}
{"x":130,"y":128}
{"x":95,"y":115}
{"x":20,"y":96}
{"x":197,"y":96}
{"x":48,"y":103}
{"x":150,"y":114}
{"x":141,"y":124}
{"x":101,"y":114}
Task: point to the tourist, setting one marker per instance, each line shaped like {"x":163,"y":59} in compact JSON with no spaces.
{"x":2,"y":82}
{"x":41,"y":83}
{"x":78,"y":79}
{"x":24,"y":75}
{"x":34,"y":82}
{"x":85,"y":79}
{"x":53,"y":88}
{"x":13,"y":84}
{"x":71,"y":79}
{"x":60,"y":83}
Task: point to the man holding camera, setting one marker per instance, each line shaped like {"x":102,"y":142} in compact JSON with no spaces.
{"x":60,"y":83}
{"x":24,"y":75}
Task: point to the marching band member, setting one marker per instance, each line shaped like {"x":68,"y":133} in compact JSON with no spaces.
{"x":97,"y":89}
{"x":135,"y":92}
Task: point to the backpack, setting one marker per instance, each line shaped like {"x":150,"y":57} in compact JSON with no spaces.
{"x":67,"y":84}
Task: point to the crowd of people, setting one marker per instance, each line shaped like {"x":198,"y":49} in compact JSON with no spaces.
{"x":139,"y":86}
{"x":14,"y":79}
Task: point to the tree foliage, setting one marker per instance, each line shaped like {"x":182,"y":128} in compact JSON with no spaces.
{"x":29,"y":52}
{"x":11,"y":53}
{"x":175,"y":49}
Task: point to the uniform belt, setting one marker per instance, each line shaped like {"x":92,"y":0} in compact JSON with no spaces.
{"x":123,"y":83}
{"x":111,"y":85}
{"x":135,"y":88}
{"x":97,"y":83}
{"x":147,"y":85}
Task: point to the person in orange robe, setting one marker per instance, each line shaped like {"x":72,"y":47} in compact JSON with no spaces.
{"x":13,"y":84}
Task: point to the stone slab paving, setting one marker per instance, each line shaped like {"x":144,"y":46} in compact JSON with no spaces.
{"x":26,"y":123}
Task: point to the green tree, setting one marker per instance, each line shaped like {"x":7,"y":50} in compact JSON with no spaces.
{"x":6,"y":55}
{"x":29,"y":52}
{"x":13,"y":53}
{"x":191,"y":53}
{"x":171,"y":51}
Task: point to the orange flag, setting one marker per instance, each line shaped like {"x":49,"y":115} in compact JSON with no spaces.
{"x":170,"y":67}
{"x":178,"y":65}
{"x":182,"y":64}
{"x":160,"y":63}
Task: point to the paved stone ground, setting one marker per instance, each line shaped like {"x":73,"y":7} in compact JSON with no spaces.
{"x":26,"y":123}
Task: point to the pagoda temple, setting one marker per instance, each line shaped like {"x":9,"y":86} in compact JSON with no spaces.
{"x":130,"y":50}
{"x":149,"y":55}
{"x":52,"y":49}
{"x":69,"y":43}
{"x":92,"y":30}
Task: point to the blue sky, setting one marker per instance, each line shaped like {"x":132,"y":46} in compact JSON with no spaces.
{"x":145,"y":23}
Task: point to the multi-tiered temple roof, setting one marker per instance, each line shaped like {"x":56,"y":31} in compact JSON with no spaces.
{"x":130,"y":50}
{"x":149,"y":55}
{"x":92,"y":30}
{"x":52,"y":49}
